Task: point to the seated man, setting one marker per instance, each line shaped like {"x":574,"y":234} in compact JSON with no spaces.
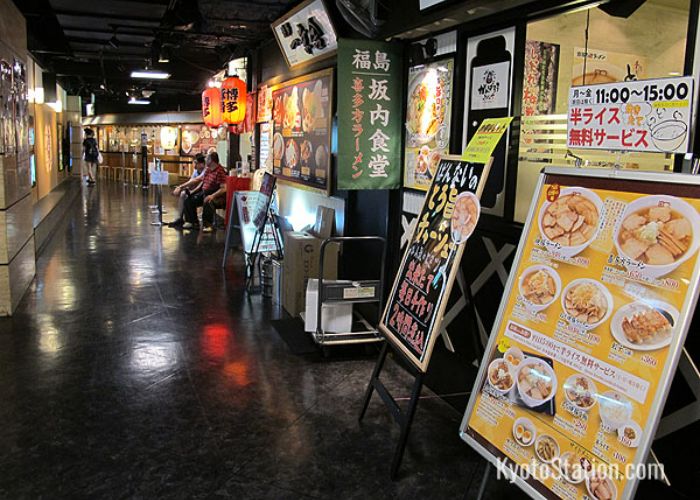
{"x":189,"y":188}
{"x":212,"y":195}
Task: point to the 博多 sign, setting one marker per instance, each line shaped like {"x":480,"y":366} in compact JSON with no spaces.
{"x":646,"y":115}
{"x":369,"y":114}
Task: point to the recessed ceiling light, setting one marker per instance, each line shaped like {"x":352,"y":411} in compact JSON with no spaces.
{"x":150,"y":74}
{"x":133,"y":100}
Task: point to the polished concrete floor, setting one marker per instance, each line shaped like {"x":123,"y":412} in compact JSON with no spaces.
{"x":136,"y":368}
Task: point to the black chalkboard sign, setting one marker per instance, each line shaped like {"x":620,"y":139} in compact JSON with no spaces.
{"x":417,"y":302}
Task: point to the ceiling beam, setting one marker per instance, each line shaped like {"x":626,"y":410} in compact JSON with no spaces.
{"x":101,"y":41}
{"x":100,"y":15}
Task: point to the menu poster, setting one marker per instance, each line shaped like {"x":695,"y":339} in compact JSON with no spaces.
{"x":541,"y":76}
{"x":428,"y":117}
{"x":484,"y":142}
{"x":647,"y":115}
{"x":451,"y":209}
{"x":589,"y":331}
{"x":267,"y":187}
{"x":306,"y":34}
{"x":593,"y":66}
{"x":246,"y":206}
{"x":369,"y":114}
{"x":197,"y":139}
{"x":264,"y":104}
{"x":301,"y":142}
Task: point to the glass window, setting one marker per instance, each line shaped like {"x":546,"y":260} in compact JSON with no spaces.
{"x":650,"y":43}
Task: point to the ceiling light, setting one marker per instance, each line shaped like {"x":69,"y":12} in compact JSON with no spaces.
{"x":150,"y":74}
{"x":133,"y":100}
{"x":164,"y":56}
{"x":147,"y":93}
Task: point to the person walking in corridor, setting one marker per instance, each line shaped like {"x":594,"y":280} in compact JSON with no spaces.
{"x":91,"y":156}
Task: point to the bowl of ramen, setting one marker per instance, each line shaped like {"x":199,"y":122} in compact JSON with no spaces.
{"x":464,"y":217}
{"x":513,"y":356}
{"x":596,"y":73}
{"x":539,"y":287}
{"x":644,"y":325}
{"x":321,"y":157}
{"x":572,"y":467}
{"x":580,"y":391}
{"x":305,"y":151}
{"x":657,"y":234}
{"x":570,"y":223}
{"x":587,"y":302}
{"x":600,"y":487}
{"x":546,"y":448}
{"x":524,"y":431}
{"x":615,"y":410}
{"x":536,"y":381}
{"x":669,"y":135}
{"x":291,"y":154}
{"x":424,"y":116}
{"x":500,"y":376}
{"x":630,"y":434}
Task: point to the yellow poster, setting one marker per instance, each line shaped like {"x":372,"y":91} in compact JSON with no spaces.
{"x":596,"y":304}
{"x":482,"y":144}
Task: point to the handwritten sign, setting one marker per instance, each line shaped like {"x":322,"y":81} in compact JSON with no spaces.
{"x":411,"y":319}
{"x":646,"y":115}
{"x":369,"y":114}
{"x":306,"y":34}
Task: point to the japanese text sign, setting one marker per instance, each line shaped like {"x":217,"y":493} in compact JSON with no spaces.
{"x":247,"y":204}
{"x":486,"y":138}
{"x":414,"y":311}
{"x":645,"y":115}
{"x":369,"y":114}
{"x":301,"y":141}
{"x":306,"y":34}
{"x":428,"y":120}
{"x":589,"y":331}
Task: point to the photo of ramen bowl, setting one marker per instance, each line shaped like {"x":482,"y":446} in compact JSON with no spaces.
{"x":291,"y":154}
{"x":601,"y":487}
{"x":580,"y":391}
{"x":669,"y":135}
{"x":500,"y":376}
{"x":514,"y":356}
{"x":571,"y":222}
{"x":657,"y":234}
{"x":424,"y":115}
{"x":277,"y":147}
{"x":597,"y":73}
{"x":536,"y":382}
{"x":464,"y":217}
{"x":539,"y":286}
{"x":587,"y":302}
{"x":615,"y":410}
{"x":524,"y":431}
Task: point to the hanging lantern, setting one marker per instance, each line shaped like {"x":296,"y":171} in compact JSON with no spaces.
{"x":211,"y":107}
{"x":168,"y":137}
{"x":233,"y":96}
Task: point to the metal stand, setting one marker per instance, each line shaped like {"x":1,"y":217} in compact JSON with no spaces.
{"x":252,"y":258}
{"x":402,"y":417}
{"x":353,"y":292}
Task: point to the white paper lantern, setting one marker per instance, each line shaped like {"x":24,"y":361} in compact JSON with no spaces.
{"x":168,"y":137}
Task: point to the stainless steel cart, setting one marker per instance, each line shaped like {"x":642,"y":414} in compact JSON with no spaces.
{"x":348,"y":291}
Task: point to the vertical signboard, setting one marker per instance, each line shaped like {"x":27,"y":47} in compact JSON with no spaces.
{"x":369,"y":114}
{"x":411,"y":319}
{"x":589,"y":332}
{"x":541,"y":77}
{"x":428,"y":119}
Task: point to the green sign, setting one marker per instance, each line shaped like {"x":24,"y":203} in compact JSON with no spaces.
{"x":369,"y":114}
{"x":487,"y":137}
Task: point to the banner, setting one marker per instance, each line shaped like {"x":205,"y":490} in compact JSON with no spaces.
{"x":541,"y":78}
{"x":647,"y":116}
{"x":428,"y":120}
{"x":451,"y":209}
{"x":369,"y":114}
{"x":591,"y":323}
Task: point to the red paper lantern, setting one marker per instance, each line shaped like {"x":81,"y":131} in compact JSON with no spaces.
{"x":211,"y":107}
{"x":233,"y":96}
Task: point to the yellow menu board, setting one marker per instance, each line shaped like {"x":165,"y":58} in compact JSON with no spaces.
{"x":589,"y":332}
